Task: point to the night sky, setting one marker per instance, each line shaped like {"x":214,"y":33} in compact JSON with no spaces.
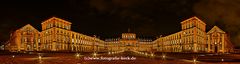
{"x":110,"y":18}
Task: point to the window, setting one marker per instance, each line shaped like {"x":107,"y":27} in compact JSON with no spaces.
{"x":50,"y":25}
{"x":193,"y":25}
{"x":39,"y":41}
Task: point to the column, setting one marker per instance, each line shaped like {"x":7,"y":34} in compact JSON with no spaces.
{"x":208,"y":43}
{"x":223,"y":43}
{"x":195,"y":40}
{"x":53,"y":43}
{"x":75,"y":40}
{"x":36,"y":41}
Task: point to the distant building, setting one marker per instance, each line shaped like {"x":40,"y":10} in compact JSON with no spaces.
{"x":56,"y":35}
{"x":129,"y":42}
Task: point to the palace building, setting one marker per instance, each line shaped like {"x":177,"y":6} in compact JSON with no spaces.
{"x":56,"y":35}
{"x":193,"y":38}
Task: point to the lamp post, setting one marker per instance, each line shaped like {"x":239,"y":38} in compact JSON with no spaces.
{"x":195,"y":59}
{"x":13,"y":56}
{"x":39,"y":58}
{"x":163,"y":57}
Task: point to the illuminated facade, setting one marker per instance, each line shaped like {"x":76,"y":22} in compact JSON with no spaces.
{"x":217,"y":41}
{"x":129,"y":42}
{"x":56,"y":35}
{"x":193,"y":38}
{"x":25,"y":38}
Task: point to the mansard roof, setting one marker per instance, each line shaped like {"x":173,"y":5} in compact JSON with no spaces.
{"x":215,"y":29}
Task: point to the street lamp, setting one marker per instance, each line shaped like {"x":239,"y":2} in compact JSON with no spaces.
{"x":77,"y":55}
{"x":39,"y":57}
{"x":13,"y":56}
{"x":163,"y":56}
{"x":152,"y":54}
{"x":146,"y":53}
{"x":94,"y":54}
{"x":194,"y":60}
{"x":222,"y":60}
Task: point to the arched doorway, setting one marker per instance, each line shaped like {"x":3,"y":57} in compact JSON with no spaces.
{"x":215,"y":49}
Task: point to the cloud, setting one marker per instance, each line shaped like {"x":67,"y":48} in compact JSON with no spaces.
{"x":222,"y":12}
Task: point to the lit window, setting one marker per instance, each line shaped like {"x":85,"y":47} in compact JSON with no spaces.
{"x":38,"y":40}
{"x":72,"y":40}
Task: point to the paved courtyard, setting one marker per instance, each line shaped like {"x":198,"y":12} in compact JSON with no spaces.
{"x":127,"y":57}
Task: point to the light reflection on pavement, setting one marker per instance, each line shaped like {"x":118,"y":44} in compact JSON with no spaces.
{"x":71,"y":58}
